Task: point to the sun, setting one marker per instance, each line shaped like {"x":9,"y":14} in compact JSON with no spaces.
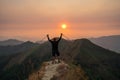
{"x":64,"y":26}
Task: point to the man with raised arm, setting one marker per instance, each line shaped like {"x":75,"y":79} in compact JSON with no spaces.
{"x":55,"y":52}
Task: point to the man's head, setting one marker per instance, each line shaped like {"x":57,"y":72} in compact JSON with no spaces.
{"x":54,"y":39}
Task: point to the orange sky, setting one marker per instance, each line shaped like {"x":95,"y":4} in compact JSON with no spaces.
{"x":33,"y":19}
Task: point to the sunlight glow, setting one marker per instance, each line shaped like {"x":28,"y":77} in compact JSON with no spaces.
{"x":64,"y":26}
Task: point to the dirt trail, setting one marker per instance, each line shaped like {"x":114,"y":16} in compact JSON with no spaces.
{"x":47,"y":71}
{"x":50,"y":70}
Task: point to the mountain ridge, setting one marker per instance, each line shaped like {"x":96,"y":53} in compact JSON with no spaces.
{"x":13,"y":49}
{"x":10,"y":42}
{"x":108,"y":42}
{"x":81,"y":52}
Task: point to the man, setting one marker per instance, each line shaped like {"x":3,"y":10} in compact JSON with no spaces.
{"x":55,"y":51}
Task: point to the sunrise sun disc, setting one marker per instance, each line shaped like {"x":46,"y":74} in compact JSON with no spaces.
{"x":64,"y":26}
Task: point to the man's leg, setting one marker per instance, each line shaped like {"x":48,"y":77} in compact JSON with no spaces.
{"x":53,"y":57}
{"x":58,"y":57}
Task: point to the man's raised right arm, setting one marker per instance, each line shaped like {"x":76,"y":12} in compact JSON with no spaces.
{"x":48,"y":37}
{"x":60,"y":37}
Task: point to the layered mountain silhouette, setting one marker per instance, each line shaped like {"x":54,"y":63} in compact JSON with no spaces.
{"x":108,"y":42}
{"x":13,"y":49}
{"x":10,"y":42}
{"x":97,"y":63}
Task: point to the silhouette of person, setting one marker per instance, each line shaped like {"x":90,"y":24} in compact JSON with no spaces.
{"x":55,"y":52}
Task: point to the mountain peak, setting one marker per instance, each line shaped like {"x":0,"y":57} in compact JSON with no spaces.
{"x":83,"y":40}
{"x":28,"y":42}
{"x":10,"y":42}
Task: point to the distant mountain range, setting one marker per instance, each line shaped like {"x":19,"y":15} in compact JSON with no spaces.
{"x":97,"y":62}
{"x":18,"y":48}
{"x":108,"y":42}
{"x":10,"y":42}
